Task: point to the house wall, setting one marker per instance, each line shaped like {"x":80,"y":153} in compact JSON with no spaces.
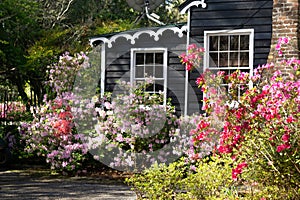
{"x":236,"y":14}
{"x":231,"y":15}
{"x":118,"y":63}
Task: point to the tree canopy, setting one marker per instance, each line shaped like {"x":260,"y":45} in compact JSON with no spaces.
{"x":33,"y":33}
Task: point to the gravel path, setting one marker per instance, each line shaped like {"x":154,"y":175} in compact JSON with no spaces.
{"x":23,"y":184}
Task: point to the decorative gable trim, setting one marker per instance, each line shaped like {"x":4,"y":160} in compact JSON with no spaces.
{"x":132,"y":37}
{"x":194,"y":3}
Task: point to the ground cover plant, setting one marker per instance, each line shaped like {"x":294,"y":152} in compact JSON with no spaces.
{"x":256,"y":135}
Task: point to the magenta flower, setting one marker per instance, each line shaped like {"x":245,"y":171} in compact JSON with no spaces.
{"x":282,"y":147}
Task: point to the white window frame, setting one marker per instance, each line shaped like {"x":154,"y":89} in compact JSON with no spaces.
{"x":249,"y":32}
{"x":165,"y":65}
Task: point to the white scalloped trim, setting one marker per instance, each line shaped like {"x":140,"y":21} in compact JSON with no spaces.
{"x":156,"y":34}
{"x":194,"y":3}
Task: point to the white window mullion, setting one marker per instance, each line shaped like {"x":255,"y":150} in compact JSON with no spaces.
{"x":218,"y":52}
{"x":165,"y":75}
{"x":207,"y":40}
{"x":239,"y":52}
{"x":153,"y":67}
{"x":132,"y":66}
{"x":228,"y":51}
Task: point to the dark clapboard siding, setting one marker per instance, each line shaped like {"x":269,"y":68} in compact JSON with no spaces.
{"x":237,"y":14}
{"x":118,"y":63}
{"x":231,"y":15}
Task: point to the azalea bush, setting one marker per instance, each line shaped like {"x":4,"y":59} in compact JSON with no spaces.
{"x":252,"y":129}
{"x":135,"y":125}
{"x":261,"y":127}
{"x":14,"y":111}
{"x":193,"y":57}
{"x":52,"y":134}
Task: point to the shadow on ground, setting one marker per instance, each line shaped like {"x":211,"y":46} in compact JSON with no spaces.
{"x":38,"y":184}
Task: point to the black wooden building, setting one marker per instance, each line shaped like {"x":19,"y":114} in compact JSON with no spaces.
{"x":236,"y":34}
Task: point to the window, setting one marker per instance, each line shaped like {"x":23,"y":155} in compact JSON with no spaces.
{"x":150,"y":62}
{"x":229,"y":50}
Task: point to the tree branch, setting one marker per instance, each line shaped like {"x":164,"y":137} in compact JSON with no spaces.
{"x":62,"y":11}
{"x":6,"y":18}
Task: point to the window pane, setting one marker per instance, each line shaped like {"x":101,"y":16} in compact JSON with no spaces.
{"x":159,"y":58}
{"x":244,"y":59}
{"x":223,"y":60}
{"x":139,"y":82}
{"x":223,"y":43}
{"x":149,"y":71}
{"x":159,"y":71}
{"x":159,"y":86}
{"x":139,"y":72}
{"x":139,"y":58}
{"x":245,"y":70}
{"x":234,"y":42}
{"x":150,"y":88}
{"x":234,"y":59}
{"x":213,"y":43}
{"x":215,"y":71}
{"x":244,"y":42}
{"x":149,"y":58}
{"x":213,"y":59}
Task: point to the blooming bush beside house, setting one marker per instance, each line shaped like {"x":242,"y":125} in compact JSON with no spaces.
{"x":139,"y":129}
{"x":193,"y":57}
{"x":12,"y":112}
{"x":52,"y":134}
{"x":122,"y":131}
{"x":255,"y":135}
{"x":263,"y":131}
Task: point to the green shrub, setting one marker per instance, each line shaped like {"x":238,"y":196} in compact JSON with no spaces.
{"x":159,"y":181}
{"x":211,"y":180}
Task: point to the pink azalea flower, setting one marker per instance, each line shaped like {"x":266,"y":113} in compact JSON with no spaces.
{"x":285,"y":138}
{"x":282,"y":147}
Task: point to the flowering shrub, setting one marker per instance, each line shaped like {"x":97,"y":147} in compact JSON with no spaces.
{"x":136,"y":124}
{"x":13,"y":111}
{"x":52,"y":133}
{"x":253,"y":140}
{"x":193,"y":57}
{"x":260,"y":128}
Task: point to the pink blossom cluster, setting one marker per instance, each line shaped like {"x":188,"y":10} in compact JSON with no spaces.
{"x":62,"y":74}
{"x":264,"y":118}
{"x":52,"y":134}
{"x":136,"y":122}
{"x":275,"y":105}
{"x":281,"y":41}
{"x":12,"y":110}
{"x":193,"y":57}
{"x":238,"y":170}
